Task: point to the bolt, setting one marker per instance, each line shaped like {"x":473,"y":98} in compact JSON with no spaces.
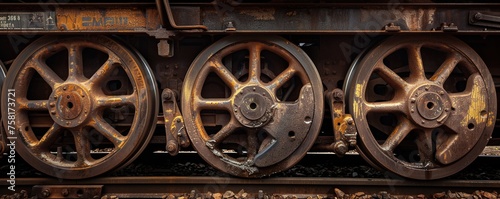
{"x":337,"y":96}
{"x":413,"y":100}
{"x":52,"y":104}
{"x":423,"y":122}
{"x":446,"y":109}
{"x":45,"y":193}
{"x":67,"y":123}
{"x":412,"y":110}
{"x":253,"y":88}
{"x":171,"y":147}
{"x":167,"y":96}
{"x":426,"y":88}
{"x":441,"y":92}
{"x":53,"y":112}
{"x":65,"y":192}
{"x":350,"y":121}
{"x":65,"y":87}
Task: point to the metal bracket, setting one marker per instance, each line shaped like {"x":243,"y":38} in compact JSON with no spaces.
{"x":343,"y":125}
{"x":451,"y":27}
{"x":165,"y":48}
{"x":392,"y":28}
{"x":67,"y":191}
{"x":174,"y":123}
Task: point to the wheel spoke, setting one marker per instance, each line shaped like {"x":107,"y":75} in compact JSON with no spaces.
{"x":45,"y":72}
{"x":104,"y":71}
{"x":390,"y":76}
{"x":32,"y":105}
{"x":103,"y":127}
{"x":397,"y":135}
{"x":116,"y":100}
{"x":75,"y":61}
{"x":415,"y":63}
{"x":386,"y":106}
{"x":425,"y":147}
{"x":227,"y":130}
{"x":282,"y":78}
{"x":254,"y":68}
{"x":446,"y":68}
{"x":212,"y":104}
{"x":82,"y":144}
{"x":224,"y":74}
{"x":49,"y":137}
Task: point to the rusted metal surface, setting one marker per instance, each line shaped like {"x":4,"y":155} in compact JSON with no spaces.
{"x":108,"y":19}
{"x":419,"y":89}
{"x":274,"y":130}
{"x":176,"y":135}
{"x":67,"y":191}
{"x":222,"y":16}
{"x":85,"y":104}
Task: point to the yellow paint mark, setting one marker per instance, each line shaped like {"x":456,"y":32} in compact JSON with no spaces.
{"x":358,"y":113}
{"x":477,"y":104}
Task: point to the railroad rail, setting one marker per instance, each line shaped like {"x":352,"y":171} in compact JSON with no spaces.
{"x":205,"y":187}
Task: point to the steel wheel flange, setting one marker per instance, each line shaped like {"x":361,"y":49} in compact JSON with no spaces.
{"x":439,"y":97}
{"x":79,"y":105}
{"x":253,"y":108}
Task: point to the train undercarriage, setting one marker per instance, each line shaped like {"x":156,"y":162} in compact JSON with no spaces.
{"x":252,"y":86}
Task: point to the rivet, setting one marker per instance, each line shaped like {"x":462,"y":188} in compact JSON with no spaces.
{"x":412,"y":110}
{"x":446,"y":109}
{"x":423,"y":122}
{"x":413,"y":100}
{"x":426,"y":88}
{"x":52,"y":104}
{"x":53,"y":112}
{"x":441,"y":92}
{"x":67,"y":123}
{"x":65,"y":87}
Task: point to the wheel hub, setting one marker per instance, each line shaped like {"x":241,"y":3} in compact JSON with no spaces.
{"x":253,"y":106}
{"x":429,"y":105}
{"x":69,"y":105}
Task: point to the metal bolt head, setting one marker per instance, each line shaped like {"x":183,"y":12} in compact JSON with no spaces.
{"x":46,"y":193}
{"x":413,"y":100}
{"x":65,"y":192}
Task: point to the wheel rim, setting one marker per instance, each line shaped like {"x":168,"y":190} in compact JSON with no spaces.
{"x":108,"y":104}
{"x":439,"y":96}
{"x":254,"y":110}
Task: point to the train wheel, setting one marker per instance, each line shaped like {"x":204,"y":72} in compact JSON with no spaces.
{"x":252,"y":126}
{"x":75,"y":95}
{"x":424,"y":107}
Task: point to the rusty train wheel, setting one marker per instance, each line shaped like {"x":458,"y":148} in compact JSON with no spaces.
{"x":260,"y":126}
{"x":424,"y":107}
{"x":75,"y":95}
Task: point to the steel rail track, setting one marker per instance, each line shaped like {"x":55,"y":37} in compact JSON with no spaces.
{"x":158,"y":187}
